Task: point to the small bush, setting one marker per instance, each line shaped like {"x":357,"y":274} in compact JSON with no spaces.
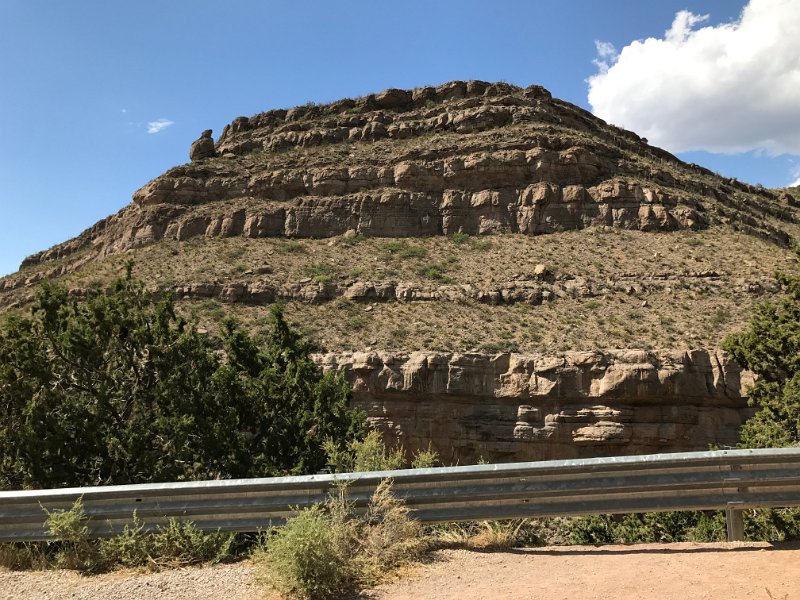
{"x":425,"y":459}
{"x":593,"y":529}
{"x":401,"y":249}
{"x":459,"y":237}
{"x":303,"y":558}
{"x":324,"y":552}
{"x":387,"y":538}
{"x":678,"y":526}
{"x":320,"y":272}
{"x":353,"y":240}
{"x":369,"y":454}
{"x":294,"y":247}
{"x":393,"y":246}
{"x":71,"y":531}
{"x":434,"y":271}
{"x":356,"y":322}
{"x":176,"y":544}
{"x":482,"y":244}
{"x":179,"y":543}
{"x":23,"y":556}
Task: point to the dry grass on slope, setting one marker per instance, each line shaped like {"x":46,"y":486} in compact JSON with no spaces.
{"x":640,"y":310}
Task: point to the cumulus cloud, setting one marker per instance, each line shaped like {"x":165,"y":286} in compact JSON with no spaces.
{"x":156,"y":126}
{"x":727,"y":88}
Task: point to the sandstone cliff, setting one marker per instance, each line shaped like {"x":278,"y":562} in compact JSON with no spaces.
{"x":512,"y":407}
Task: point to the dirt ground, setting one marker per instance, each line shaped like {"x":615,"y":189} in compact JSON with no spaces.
{"x":685,"y":571}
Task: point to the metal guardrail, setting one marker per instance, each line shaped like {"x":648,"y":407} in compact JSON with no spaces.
{"x":731,"y":480}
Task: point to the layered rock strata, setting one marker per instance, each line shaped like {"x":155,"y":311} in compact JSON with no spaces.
{"x":512,"y":407}
{"x":530,"y":290}
{"x":466,"y":157}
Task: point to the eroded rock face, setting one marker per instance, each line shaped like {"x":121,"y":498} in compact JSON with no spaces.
{"x":511,"y":407}
{"x":468,"y":156}
{"x":203,"y":147}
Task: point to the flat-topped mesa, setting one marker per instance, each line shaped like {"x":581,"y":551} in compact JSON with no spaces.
{"x":471,"y":157}
{"x":513,"y":407}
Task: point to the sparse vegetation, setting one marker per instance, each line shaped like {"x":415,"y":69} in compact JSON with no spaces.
{"x":326,"y":551}
{"x":678,"y":315}
{"x":179,"y":543}
{"x":320,"y":272}
{"x":434,"y":271}
{"x":459,"y":237}
{"x":293,"y":247}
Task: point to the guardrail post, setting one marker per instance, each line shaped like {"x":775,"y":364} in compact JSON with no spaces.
{"x":735,"y":524}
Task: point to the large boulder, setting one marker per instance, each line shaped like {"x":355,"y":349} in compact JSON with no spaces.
{"x":203,"y":147}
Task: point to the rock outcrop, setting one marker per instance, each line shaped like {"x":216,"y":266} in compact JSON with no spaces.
{"x":468,"y":157}
{"x":511,"y":407}
{"x":203,"y":147}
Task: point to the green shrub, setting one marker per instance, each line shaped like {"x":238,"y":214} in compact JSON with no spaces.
{"x":434,"y":271}
{"x":353,"y":240}
{"x":710,"y":528}
{"x":357,"y":322}
{"x":594,"y":529}
{"x":481,"y":244}
{"x":323,"y":552}
{"x":403,"y":250}
{"x":369,"y":454}
{"x":458,"y":237}
{"x":320,"y":272}
{"x":118,"y":388}
{"x":293,"y":247}
{"x":770,"y":347}
{"x":179,"y":543}
{"x":772,"y":524}
{"x":425,"y":459}
{"x":74,"y":549}
{"x":303,"y":559}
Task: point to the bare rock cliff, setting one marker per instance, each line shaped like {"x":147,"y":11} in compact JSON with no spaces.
{"x":512,"y":407}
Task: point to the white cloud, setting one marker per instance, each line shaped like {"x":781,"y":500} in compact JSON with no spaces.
{"x":606,"y":55}
{"x":729,"y":88}
{"x":156,"y":126}
{"x":796,"y":174}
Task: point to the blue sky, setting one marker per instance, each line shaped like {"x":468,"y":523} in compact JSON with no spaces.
{"x":84,"y":85}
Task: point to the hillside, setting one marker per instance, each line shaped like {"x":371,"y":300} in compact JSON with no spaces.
{"x":453,"y":245}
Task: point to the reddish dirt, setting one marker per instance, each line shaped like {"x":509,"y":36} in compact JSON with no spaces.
{"x":684,"y":571}
{"x":641,"y":572}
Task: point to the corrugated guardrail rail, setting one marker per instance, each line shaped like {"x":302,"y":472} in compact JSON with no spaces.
{"x":730,"y":480}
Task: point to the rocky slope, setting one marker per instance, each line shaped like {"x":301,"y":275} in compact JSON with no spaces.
{"x":489,"y":247}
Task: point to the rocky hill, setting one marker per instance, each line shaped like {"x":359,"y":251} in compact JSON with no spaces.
{"x":495,"y":270}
